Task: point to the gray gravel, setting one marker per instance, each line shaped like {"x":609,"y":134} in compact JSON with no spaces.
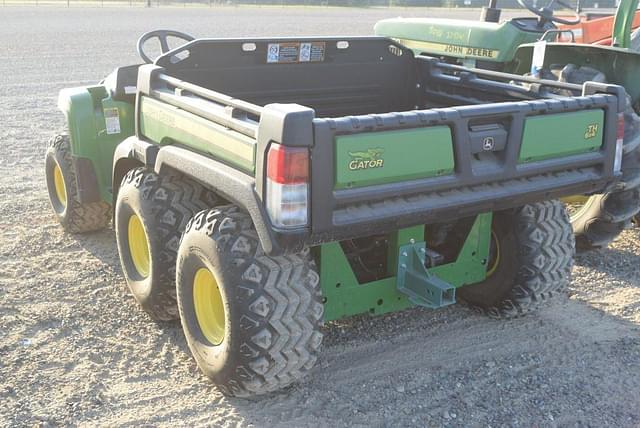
{"x":75,"y":349}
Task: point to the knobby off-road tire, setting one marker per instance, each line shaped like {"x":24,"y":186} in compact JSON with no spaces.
{"x":150,"y":215}
{"x":60,"y":173}
{"x":535,"y":249}
{"x":603,"y":217}
{"x":254,"y":325}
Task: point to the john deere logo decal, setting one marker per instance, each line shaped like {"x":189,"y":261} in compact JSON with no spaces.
{"x":592,"y":131}
{"x":366,"y":160}
{"x":488,"y":144}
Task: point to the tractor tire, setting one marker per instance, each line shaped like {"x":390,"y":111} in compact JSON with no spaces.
{"x":73,"y":215}
{"x":531,"y":259}
{"x":603,"y":217}
{"x":252,"y":322}
{"x":150,"y":215}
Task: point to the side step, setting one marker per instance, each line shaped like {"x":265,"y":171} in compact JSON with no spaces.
{"x":415,"y":281}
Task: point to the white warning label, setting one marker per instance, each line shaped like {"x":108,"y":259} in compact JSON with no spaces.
{"x":293,"y":52}
{"x":112,"y":120}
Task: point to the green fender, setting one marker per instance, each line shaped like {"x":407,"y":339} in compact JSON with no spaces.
{"x":94,"y":137}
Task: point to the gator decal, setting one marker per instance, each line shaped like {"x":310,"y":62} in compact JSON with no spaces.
{"x":369,"y":158}
{"x":364,"y":160}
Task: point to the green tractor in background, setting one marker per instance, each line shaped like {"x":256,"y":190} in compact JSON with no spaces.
{"x":528,"y":45}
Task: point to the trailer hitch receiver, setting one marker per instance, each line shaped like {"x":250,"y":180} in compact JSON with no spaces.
{"x":414,"y":279}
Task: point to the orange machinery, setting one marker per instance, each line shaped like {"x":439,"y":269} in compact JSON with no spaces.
{"x":595,"y":28}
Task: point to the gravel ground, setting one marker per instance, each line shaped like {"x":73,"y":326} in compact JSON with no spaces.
{"x":75,"y":349}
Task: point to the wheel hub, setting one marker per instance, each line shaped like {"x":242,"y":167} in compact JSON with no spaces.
{"x":494,"y":254}
{"x":138,"y":246}
{"x":209,"y":306}
{"x":58,"y":184}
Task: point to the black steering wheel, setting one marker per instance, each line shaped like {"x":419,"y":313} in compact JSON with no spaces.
{"x":546,"y":12}
{"x":161,"y":35}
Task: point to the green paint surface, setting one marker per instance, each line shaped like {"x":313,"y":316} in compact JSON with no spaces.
{"x":619,"y":65}
{"x":84,"y":108}
{"x":486,"y":41}
{"x":166,"y":124}
{"x":564,"y":134}
{"x":344,"y":296}
{"x":393,"y":156}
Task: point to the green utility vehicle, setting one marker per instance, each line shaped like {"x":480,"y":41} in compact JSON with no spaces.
{"x":261,"y":187}
{"x":508,"y":46}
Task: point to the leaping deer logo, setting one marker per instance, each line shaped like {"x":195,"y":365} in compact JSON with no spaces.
{"x":369,"y":155}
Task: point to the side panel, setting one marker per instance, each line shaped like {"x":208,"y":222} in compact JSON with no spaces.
{"x":565,"y":134}
{"x":393,"y":156}
{"x":94,"y":137}
{"x":166,"y":124}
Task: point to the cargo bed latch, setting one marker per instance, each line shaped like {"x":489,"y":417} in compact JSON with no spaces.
{"x":414,"y":280}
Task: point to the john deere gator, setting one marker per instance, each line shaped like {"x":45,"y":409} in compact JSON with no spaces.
{"x":261,"y":187}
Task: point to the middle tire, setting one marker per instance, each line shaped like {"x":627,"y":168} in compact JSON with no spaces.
{"x":531,"y":259}
{"x":150,"y":215}
{"x":252,"y":322}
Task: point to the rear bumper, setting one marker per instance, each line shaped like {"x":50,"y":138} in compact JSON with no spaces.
{"x":351,"y":218}
{"x":360,"y":219}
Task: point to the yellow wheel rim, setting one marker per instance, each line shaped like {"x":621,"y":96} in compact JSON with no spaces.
{"x":494,"y":261}
{"x":575,"y":205}
{"x":209,"y":306}
{"x":138,"y":246}
{"x":58,"y":184}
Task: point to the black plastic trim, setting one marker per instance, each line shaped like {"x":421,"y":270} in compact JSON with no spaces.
{"x":86,"y":180}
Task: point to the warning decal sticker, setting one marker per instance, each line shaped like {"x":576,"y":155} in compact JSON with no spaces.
{"x":112,"y":120}
{"x":293,"y":52}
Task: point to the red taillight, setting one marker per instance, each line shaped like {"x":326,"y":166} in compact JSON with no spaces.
{"x":288,"y":165}
{"x":287,"y":186}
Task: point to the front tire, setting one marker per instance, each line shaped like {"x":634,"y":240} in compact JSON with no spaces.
{"x":73,"y":215}
{"x":150,"y":216}
{"x":535,"y":247}
{"x":252,"y":322}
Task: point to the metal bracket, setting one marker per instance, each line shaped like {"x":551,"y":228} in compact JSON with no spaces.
{"x":414,"y":280}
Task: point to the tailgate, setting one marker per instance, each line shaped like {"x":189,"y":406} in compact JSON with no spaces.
{"x":401,"y":169}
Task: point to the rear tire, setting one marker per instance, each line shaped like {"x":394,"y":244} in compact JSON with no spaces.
{"x":73,"y":215}
{"x":150,"y":216}
{"x":605,"y":216}
{"x":253,"y":324}
{"x":536,"y":249}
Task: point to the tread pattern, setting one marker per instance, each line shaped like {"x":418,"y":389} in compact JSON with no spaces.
{"x":546,"y":252}
{"x":79,"y":217}
{"x":170,"y":201}
{"x":611,"y":215}
{"x":279,"y":300}
{"x":612,"y":212}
